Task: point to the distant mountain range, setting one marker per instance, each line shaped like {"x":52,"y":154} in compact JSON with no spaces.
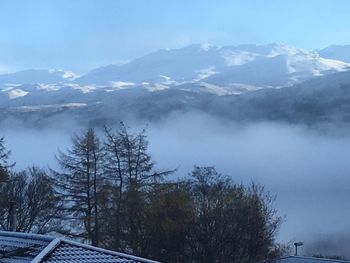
{"x":230,"y":67}
{"x":245,"y":82}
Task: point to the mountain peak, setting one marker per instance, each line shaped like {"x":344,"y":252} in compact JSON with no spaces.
{"x":338,"y":52}
{"x":33,"y":76}
{"x":272,"y":65}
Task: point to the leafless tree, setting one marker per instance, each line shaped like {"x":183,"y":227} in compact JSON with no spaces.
{"x":31,"y":197}
{"x":79,"y":184}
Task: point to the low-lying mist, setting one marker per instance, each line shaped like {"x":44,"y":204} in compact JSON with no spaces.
{"x":309,"y":172}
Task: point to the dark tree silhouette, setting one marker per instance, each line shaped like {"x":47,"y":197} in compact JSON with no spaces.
{"x":31,"y":202}
{"x":79,"y":185}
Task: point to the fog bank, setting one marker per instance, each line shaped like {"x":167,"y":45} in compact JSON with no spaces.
{"x":308,"y":172}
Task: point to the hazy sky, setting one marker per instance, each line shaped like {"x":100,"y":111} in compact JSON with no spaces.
{"x":82,"y":34}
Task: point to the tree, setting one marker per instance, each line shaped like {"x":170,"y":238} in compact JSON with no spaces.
{"x":128,"y":158}
{"x":4,"y":154}
{"x":168,"y":217}
{"x":31,"y":202}
{"x":130,"y":169}
{"x":79,"y":185}
{"x":233,"y":223}
{"x":4,"y":161}
{"x":4,"y":172}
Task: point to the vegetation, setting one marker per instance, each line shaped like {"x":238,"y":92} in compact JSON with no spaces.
{"x":107,"y":192}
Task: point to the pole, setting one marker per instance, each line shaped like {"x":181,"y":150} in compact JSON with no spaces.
{"x":297,"y":244}
{"x":12,"y":216}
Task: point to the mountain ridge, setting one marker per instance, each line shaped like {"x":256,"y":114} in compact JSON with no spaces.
{"x":224,"y":66}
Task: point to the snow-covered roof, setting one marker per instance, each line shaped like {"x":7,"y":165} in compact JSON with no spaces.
{"x":294,"y":259}
{"x":31,"y":248}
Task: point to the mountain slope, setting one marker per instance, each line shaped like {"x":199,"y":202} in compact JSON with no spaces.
{"x":338,"y":52}
{"x":37,"y":76}
{"x":271,"y":65}
{"x":228,"y":69}
{"x":324,"y":99}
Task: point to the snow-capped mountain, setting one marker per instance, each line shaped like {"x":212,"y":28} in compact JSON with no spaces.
{"x":202,"y":68}
{"x":261,"y":66}
{"x":20,"y":84}
{"x":226,"y":80}
{"x":34,"y":76}
{"x":338,"y":52}
{"x":322,"y":100}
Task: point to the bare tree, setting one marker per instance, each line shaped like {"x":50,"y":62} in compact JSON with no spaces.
{"x":79,"y":184}
{"x":233,"y":223}
{"x":4,"y":161}
{"x":31,"y":198}
{"x":4,"y":155}
{"x":4,"y":172}
{"x":131,"y":171}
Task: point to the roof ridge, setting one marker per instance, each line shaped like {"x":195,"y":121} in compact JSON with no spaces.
{"x":324,"y":259}
{"x":54,"y":243}
{"x":26,"y":235}
{"x":107,"y":251}
{"x":47,"y":250}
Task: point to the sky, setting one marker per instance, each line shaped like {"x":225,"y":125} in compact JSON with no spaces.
{"x":80,"y":35}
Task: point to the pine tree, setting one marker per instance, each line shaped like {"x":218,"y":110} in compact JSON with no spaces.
{"x":80,"y":182}
{"x":131,"y":170}
{"x":4,"y":173}
{"x":4,"y":160}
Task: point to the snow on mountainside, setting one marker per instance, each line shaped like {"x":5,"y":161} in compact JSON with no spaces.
{"x":339,"y":52}
{"x":37,"y":76}
{"x":178,"y":64}
{"x":278,"y":70}
{"x":322,"y":100}
{"x":272,"y":65}
{"x":201,"y":68}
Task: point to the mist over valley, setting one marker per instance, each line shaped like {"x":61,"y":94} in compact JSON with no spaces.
{"x":130,"y":133}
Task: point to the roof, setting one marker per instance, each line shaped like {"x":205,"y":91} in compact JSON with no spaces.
{"x":294,"y":259}
{"x":18,"y":247}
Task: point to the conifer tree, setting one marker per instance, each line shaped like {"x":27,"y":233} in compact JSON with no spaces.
{"x":80,"y":182}
{"x":131,"y":170}
{"x":4,"y":160}
{"x":4,"y":172}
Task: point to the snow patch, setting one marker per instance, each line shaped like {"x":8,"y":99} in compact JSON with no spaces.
{"x":83,"y":88}
{"x":205,"y":73}
{"x":284,"y":49}
{"x":232,"y":89}
{"x":49,"y":106}
{"x":206,"y":46}
{"x":168,"y":80}
{"x":8,"y":87}
{"x":156,"y":87}
{"x":17,"y":93}
{"x":334,"y":64}
{"x":238,"y":57}
{"x":48,"y":87}
{"x":70,"y":75}
{"x":118,"y":85}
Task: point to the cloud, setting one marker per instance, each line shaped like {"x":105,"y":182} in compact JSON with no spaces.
{"x":306,"y":170}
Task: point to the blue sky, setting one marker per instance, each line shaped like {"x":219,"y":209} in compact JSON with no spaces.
{"x":80,"y":35}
